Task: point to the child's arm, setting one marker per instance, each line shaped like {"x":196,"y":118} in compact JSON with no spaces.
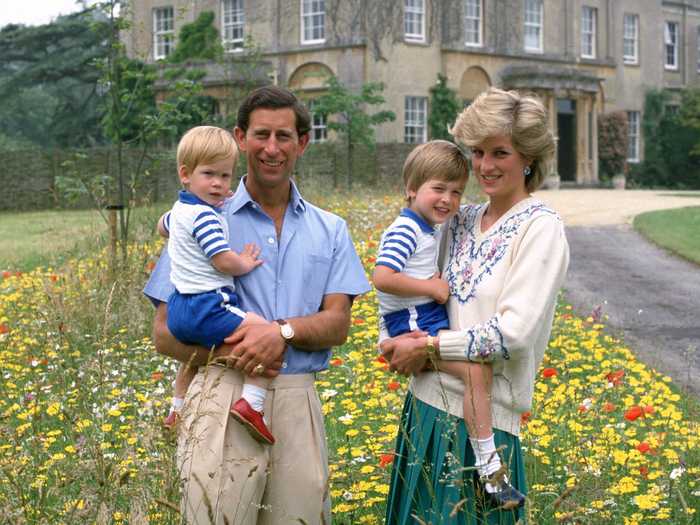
{"x":235,"y":264}
{"x":163,"y":225}
{"x":390,"y":281}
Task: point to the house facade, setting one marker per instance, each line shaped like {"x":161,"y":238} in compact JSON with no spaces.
{"x":582,"y":57}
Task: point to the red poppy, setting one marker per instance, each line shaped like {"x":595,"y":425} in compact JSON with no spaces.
{"x":615,"y":377}
{"x":4,"y":329}
{"x":549,"y":372}
{"x":150,"y":266}
{"x":643,"y":471}
{"x":386,"y":460}
{"x":336,"y":361}
{"x":6,"y":274}
{"x":633,"y":413}
{"x":53,"y":278}
{"x":358,"y":321}
{"x":608,"y":407}
{"x":393,"y":385}
{"x":582,"y":408}
{"x":381,"y":359}
{"x":644,"y":447}
{"x":156,"y":376}
{"x":648,"y":409}
{"x":524,"y":417}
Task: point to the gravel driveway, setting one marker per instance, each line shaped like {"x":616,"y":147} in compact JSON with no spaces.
{"x":652,"y":298}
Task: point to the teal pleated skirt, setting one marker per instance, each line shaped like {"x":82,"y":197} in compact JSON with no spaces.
{"x":433,"y":479}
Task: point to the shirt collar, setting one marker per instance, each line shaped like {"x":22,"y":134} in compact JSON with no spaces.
{"x":420,"y":221}
{"x":190,"y":198}
{"x":242,"y":198}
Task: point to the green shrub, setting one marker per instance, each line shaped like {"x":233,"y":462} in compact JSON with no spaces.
{"x":612,"y":143}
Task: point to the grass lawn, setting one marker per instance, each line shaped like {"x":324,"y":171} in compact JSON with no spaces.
{"x":49,"y":237}
{"x":37,"y":238}
{"x":677,"y":230}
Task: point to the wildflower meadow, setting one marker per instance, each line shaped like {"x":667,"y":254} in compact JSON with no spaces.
{"x":83,"y":393}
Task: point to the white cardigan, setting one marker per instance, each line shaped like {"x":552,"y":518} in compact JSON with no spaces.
{"x":503,"y":291}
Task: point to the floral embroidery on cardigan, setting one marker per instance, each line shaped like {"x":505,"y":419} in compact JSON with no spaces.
{"x":485,"y":340}
{"x":472,"y":260}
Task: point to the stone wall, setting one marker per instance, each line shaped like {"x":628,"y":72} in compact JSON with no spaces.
{"x":28,"y":177}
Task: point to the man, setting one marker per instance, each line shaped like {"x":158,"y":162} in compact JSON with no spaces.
{"x":309,"y":276}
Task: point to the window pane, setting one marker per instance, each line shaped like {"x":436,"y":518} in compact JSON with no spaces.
{"x":472,"y":22}
{"x":415,"y":114}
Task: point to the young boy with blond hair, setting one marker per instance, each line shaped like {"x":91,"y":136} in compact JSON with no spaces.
{"x":204,"y":308}
{"x":412,"y":295}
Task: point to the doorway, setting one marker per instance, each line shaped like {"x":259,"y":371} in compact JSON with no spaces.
{"x":566,"y":147}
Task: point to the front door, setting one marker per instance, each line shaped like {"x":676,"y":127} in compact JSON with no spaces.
{"x":566,"y":146}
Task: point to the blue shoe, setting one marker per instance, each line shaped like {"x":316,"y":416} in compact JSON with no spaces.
{"x":506,"y":497}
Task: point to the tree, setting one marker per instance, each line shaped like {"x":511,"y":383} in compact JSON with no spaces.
{"x":443,"y":109}
{"x":351,"y":121}
{"x":51,"y":69}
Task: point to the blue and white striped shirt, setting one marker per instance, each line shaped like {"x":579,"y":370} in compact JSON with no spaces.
{"x":197,"y":233}
{"x":408,"y":245}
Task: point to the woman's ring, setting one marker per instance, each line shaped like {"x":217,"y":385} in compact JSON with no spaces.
{"x":258,"y":370}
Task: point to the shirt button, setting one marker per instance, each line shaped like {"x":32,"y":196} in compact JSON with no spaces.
{"x":271,"y":240}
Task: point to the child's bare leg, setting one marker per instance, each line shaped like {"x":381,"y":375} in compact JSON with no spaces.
{"x":478,"y":379}
{"x":183,"y":378}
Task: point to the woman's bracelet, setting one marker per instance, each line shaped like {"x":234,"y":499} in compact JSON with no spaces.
{"x":432,"y":349}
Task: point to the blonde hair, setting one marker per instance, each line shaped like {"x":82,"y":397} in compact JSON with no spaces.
{"x":437,"y":159}
{"x":205,"y":144}
{"x":520,"y":117}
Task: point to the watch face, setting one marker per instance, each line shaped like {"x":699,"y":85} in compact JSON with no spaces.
{"x":287,"y":331}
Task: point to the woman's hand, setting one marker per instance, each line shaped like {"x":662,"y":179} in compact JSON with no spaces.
{"x":407,"y":354}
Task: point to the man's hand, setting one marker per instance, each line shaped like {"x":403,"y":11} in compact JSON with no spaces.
{"x":406,"y":353}
{"x":256,"y":344}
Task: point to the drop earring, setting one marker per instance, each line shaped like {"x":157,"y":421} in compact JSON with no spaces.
{"x":527,"y":171}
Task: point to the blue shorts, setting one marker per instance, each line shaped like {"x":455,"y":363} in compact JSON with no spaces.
{"x":429,"y":317}
{"x":205,"y":318}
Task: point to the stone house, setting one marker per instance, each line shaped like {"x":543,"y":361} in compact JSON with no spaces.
{"x":583,"y":57}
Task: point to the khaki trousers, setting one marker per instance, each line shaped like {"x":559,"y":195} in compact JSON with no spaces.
{"x":229,"y":478}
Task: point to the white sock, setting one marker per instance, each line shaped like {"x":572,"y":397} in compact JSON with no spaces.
{"x":255,"y":396}
{"x":487,"y":459}
{"x":176,"y":404}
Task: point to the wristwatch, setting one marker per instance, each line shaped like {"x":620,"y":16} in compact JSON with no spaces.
{"x":286,"y":330}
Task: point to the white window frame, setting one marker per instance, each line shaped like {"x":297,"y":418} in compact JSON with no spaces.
{"x":630,"y":38}
{"x":589,"y":16}
{"x":313,"y":21}
{"x":415,"y":130}
{"x":473,"y":23}
{"x":232,"y":25}
{"x":633,"y":128}
{"x":671,"y":44}
{"x":414,"y":18}
{"x":163,"y":31}
{"x":533,"y":23}
{"x":319,"y":125}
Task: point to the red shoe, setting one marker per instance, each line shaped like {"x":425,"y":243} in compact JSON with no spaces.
{"x":252,"y":420}
{"x":172,"y":420}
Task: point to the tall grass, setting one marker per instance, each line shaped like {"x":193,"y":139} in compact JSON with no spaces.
{"x":83,"y":392}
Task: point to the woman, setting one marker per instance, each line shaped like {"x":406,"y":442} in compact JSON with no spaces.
{"x":505,"y":261}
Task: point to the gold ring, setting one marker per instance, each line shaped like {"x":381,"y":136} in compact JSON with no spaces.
{"x":259,"y":370}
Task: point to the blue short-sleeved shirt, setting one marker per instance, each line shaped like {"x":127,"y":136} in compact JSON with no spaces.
{"x":313,"y":258}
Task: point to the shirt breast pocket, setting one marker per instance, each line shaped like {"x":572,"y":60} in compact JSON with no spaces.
{"x":316,"y":273}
